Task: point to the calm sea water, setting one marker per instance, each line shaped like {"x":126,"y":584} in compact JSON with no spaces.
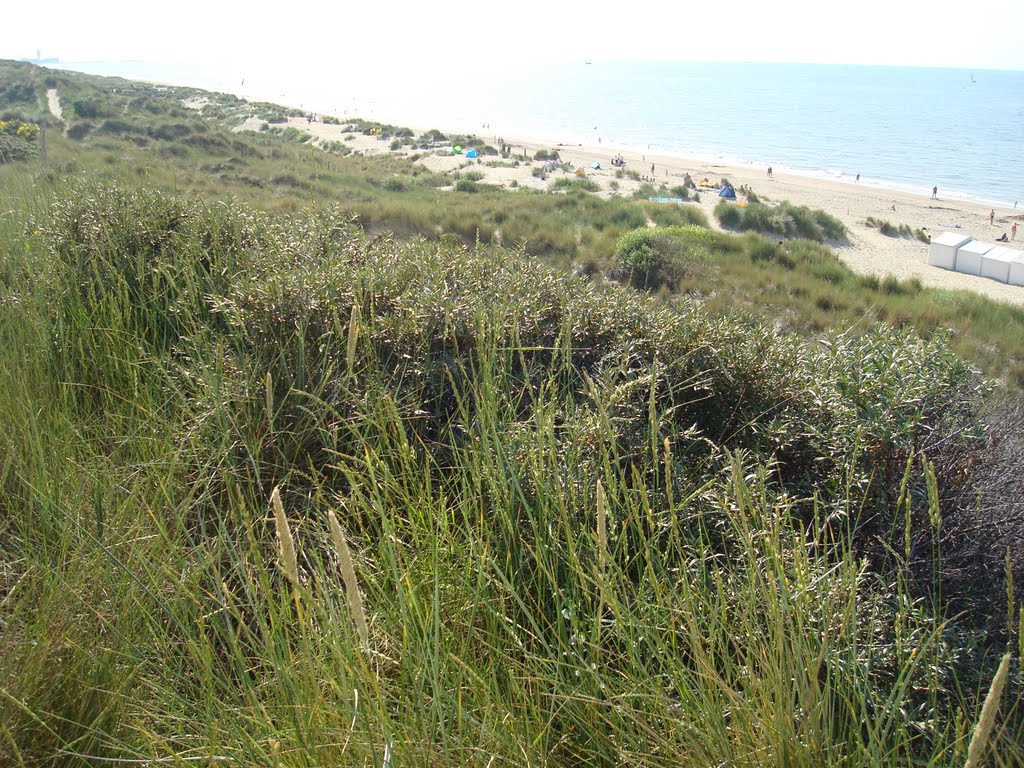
{"x":898,"y":127}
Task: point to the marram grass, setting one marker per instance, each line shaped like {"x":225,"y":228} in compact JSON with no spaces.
{"x":591,"y":529}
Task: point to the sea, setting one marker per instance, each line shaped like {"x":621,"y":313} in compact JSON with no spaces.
{"x":900,"y":128}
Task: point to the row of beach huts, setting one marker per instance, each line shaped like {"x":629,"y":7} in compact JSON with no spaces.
{"x":973,"y":257}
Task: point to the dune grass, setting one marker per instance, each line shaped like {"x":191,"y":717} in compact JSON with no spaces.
{"x":143,"y":134}
{"x":302,"y":467}
{"x":277,"y":491}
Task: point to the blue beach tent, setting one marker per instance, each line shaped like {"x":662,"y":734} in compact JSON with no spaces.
{"x":471,"y":153}
{"x":727,"y":192}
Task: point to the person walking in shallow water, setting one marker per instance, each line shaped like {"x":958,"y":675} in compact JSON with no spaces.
{"x":935,"y":193}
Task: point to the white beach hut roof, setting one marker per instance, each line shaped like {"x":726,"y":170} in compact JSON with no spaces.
{"x":1016,"y":272}
{"x":942,"y":250}
{"x":996,"y":263}
{"x":968,"y":256}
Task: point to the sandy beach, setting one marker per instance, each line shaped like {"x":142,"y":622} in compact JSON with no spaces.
{"x":867,"y":251}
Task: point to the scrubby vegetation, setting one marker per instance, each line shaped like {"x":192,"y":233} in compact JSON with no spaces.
{"x":581,"y":183}
{"x":783,"y":220}
{"x":18,"y":140}
{"x":302,"y":468}
{"x":891,"y":230}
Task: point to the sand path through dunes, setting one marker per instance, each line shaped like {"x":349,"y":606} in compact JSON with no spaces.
{"x":54,"y":100}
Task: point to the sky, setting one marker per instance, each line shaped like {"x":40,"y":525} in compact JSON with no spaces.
{"x":444,"y":40}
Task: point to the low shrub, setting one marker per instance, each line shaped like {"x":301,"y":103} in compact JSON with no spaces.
{"x":577,"y":183}
{"x":883,"y":226}
{"x":80,"y":129}
{"x":433,"y":136}
{"x":783,"y":220}
{"x":728,"y":215}
{"x":650,"y":258}
{"x":18,"y":141}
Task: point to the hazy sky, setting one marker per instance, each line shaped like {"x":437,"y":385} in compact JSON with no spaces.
{"x":389,"y":35}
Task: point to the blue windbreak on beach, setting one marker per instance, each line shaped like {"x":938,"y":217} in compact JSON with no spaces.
{"x":898,"y":127}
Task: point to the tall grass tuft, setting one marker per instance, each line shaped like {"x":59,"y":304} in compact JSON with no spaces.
{"x":348,"y":575}
{"x":979,"y":739}
{"x":285,"y":542}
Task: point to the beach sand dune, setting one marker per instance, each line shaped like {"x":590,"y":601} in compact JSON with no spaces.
{"x":867,"y":250}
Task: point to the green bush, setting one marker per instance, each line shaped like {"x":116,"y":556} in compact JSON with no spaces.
{"x":674,"y":215}
{"x":578,"y":183}
{"x":80,"y":129}
{"x":14,"y":148}
{"x":649,"y":258}
{"x":782,"y":220}
{"x":433,"y":136}
{"x":728,"y":215}
{"x":883,"y":226}
{"x":18,"y":141}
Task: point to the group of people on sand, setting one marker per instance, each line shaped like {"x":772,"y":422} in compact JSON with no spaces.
{"x":618,"y":162}
{"x":1013,"y":235}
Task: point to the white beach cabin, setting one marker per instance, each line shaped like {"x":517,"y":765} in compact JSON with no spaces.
{"x":1016,"y":276}
{"x":968,"y":256}
{"x":996,"y":263}
{"x":942,"y":250}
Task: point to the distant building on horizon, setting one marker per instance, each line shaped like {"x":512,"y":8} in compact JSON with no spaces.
{"x":40,"y":60}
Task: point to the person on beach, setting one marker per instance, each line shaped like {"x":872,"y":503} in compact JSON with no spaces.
{"x":935,"y":193}
{"x":1013,"y":231}
{"x":992,"y":216}
{"x":769,"y":171}
{"x":1003,"y":239}
{"x":858,"y":178}
{"x":652,"y":169}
